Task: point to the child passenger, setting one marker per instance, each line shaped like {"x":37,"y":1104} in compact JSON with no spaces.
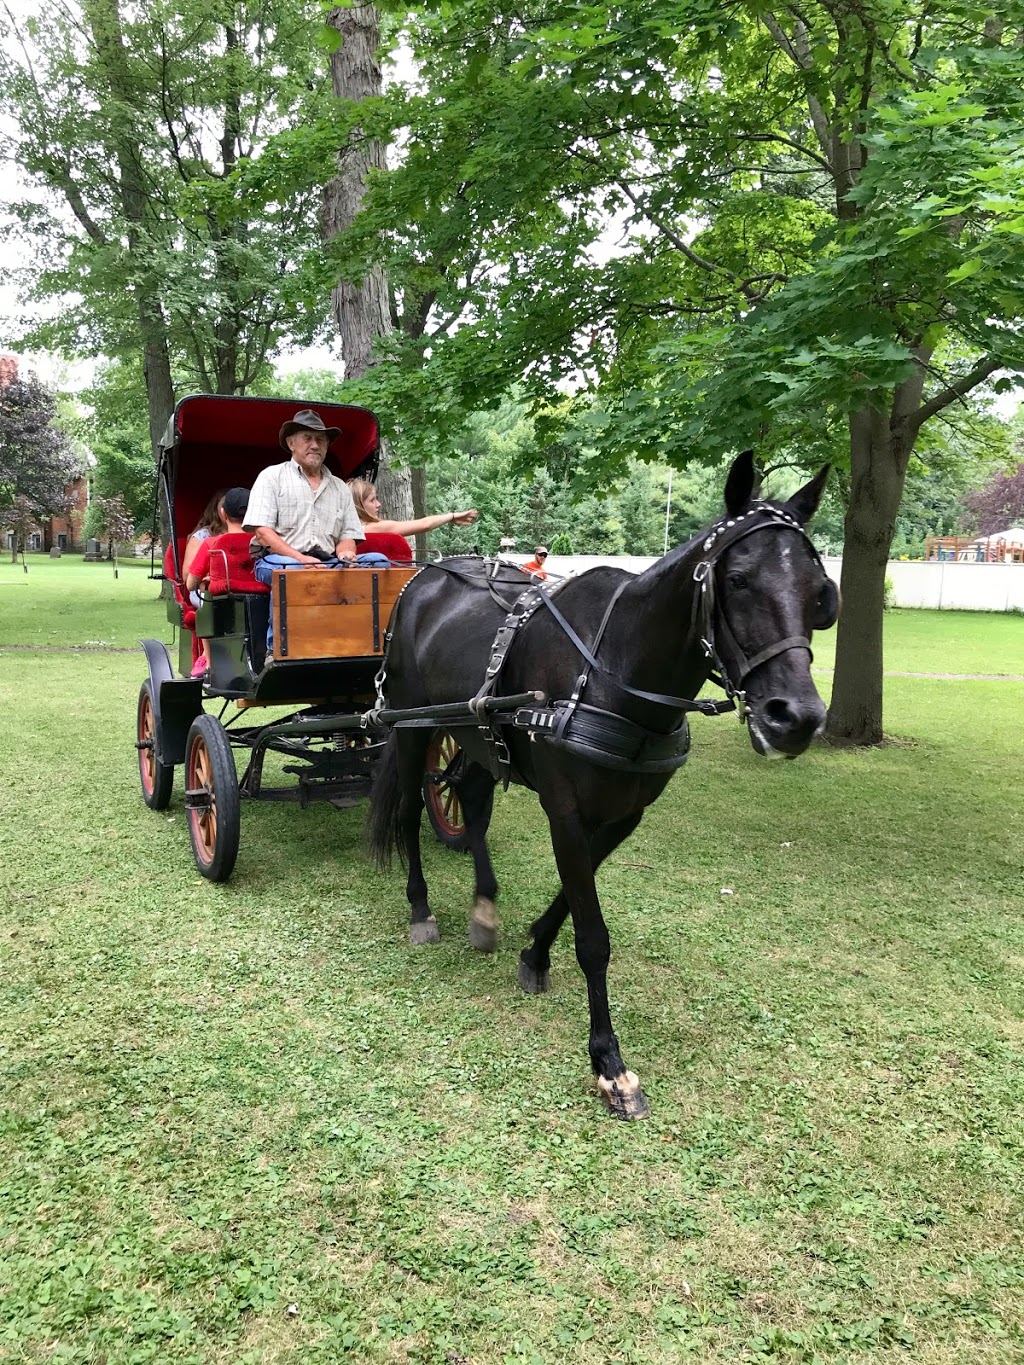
{"x":223,"y":563}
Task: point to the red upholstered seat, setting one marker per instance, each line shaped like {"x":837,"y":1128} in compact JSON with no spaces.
{"x":397,"y":548}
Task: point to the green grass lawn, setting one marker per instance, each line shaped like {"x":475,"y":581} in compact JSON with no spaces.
{"x":68,"y":602}
{"x":943,"y":642}
{"x":250,"y":1124}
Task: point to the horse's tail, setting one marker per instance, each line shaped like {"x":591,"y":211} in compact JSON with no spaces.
{"x":385,"y":804}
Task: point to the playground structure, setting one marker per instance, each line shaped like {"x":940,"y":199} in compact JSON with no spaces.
{"x":1004,"y":547}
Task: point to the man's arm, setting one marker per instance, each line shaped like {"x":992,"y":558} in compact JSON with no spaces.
{"x":348,"y":528}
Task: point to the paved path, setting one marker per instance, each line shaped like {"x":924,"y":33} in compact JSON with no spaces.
{"x":72,"y":649}
{"x":117,"y":649}
{"x":952,"y":677}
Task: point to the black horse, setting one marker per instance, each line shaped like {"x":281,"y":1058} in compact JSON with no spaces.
{"x":742,"y":598}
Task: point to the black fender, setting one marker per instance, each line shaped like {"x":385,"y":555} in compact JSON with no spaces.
{"x":176,"y":703}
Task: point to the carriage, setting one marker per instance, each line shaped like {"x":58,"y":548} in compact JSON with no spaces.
{"x":622,"y":658}
{"x":328,"y":643}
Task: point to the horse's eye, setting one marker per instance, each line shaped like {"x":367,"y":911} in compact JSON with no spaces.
{"x":736,"y":580}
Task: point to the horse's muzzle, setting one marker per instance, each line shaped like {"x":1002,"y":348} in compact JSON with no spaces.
{"x":783,"y":727}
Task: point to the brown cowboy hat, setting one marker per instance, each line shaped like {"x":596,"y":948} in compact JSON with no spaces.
{"x":307,"y":420}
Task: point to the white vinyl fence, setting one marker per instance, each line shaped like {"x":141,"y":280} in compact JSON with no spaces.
{"x":940,"y":585}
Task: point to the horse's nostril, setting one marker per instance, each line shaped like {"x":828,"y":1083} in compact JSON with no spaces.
{"x":777,"y":711}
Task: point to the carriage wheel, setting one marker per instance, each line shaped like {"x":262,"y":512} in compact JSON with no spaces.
{"x":441,"y":789}
{"x":157,"y":778}
{"x":212,"y":804}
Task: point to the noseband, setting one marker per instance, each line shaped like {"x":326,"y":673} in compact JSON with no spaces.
{"x":723,"y":536}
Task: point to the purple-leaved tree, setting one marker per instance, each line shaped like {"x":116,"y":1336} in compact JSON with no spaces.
{"x":998,"y":504}
{"x":115,"y":521}
{"x":37,"y":464}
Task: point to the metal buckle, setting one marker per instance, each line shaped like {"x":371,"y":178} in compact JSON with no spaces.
{"x":702,"y":570}
{"x":741,"y":706}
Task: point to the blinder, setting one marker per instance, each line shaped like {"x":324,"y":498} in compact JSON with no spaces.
{"x":826,"y":609}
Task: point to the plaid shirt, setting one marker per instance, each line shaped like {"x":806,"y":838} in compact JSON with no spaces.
{"x":306,"y":517}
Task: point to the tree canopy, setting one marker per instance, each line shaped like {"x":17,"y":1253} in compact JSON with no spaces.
{"x":819,"y":212}
{"x":170,"y":210}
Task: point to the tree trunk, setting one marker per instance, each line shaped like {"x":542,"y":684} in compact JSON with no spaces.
{"x":877,"y":471}
{"x":361,"y":309}
{"x":419,"y":507}
{"x":226,"y":239}
{"x":104,"y":20}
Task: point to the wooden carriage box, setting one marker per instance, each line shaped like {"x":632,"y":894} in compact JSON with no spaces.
{"x":334,"y":613}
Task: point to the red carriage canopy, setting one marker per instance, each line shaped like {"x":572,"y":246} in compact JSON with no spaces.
{"x":215,"y":442}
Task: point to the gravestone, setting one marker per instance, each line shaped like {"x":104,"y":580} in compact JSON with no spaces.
{"x":55,"y":552}
{"x":92,"y":551}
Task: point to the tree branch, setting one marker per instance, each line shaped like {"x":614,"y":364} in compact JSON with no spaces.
{"x":672,"y":236}
{"x":952,"y":394}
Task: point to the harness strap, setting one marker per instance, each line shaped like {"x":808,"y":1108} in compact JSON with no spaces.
{"x":705,"y":708}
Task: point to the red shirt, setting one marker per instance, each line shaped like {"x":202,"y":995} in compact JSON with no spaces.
{"x":396,"y":547}
{"x":226,"y":561}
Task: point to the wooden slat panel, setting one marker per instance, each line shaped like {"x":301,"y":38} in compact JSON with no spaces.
{"x":330,"y":611}
{"x":343,"y":586}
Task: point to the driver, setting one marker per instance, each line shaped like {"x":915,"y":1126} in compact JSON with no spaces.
{"x":300,"y":512}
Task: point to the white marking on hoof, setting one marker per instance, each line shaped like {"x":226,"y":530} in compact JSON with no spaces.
{"x":484,"y":923}
{"x":623,"y":1096}
{"x":424,"y":931}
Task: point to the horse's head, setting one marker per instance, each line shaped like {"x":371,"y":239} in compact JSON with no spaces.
{"x":771,"y":594}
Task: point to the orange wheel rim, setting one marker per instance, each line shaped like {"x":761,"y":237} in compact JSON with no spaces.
{"x":444,"y":800}
{"x":147,"y":736}
{"x":203,"y":820}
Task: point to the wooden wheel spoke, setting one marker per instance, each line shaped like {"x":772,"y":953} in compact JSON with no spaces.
{"x":440,"y":791}
{"x":205,"y":819}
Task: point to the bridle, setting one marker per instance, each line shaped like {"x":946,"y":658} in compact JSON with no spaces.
{"x":760,"y":516}
{"x":724,"y":535}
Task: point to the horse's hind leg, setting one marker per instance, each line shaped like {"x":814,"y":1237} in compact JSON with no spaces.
{"x":412,"y":754}
{"x":476,"y":794}
{"x":535,"y":961}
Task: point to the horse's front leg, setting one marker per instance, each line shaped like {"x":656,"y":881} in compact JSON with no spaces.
{"x":535,"y":961}
{"x":412,"y":753}
{"x":476,"y":795}
{"x":619,"y":1088}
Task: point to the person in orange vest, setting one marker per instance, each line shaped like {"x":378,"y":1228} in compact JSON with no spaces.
{"x":535,"y":567}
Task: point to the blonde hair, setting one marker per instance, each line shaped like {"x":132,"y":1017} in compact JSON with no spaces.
{"x":361,"y":489}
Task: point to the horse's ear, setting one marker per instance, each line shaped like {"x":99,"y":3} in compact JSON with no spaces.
{"x":739,"y":486}
{"x":804,"y":502}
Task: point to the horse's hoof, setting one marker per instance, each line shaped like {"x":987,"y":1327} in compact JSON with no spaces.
{"x":532,"y":981}
{"x":424,"y":931}
{"x":623,"y":1096}
{"x":483,"y":925}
